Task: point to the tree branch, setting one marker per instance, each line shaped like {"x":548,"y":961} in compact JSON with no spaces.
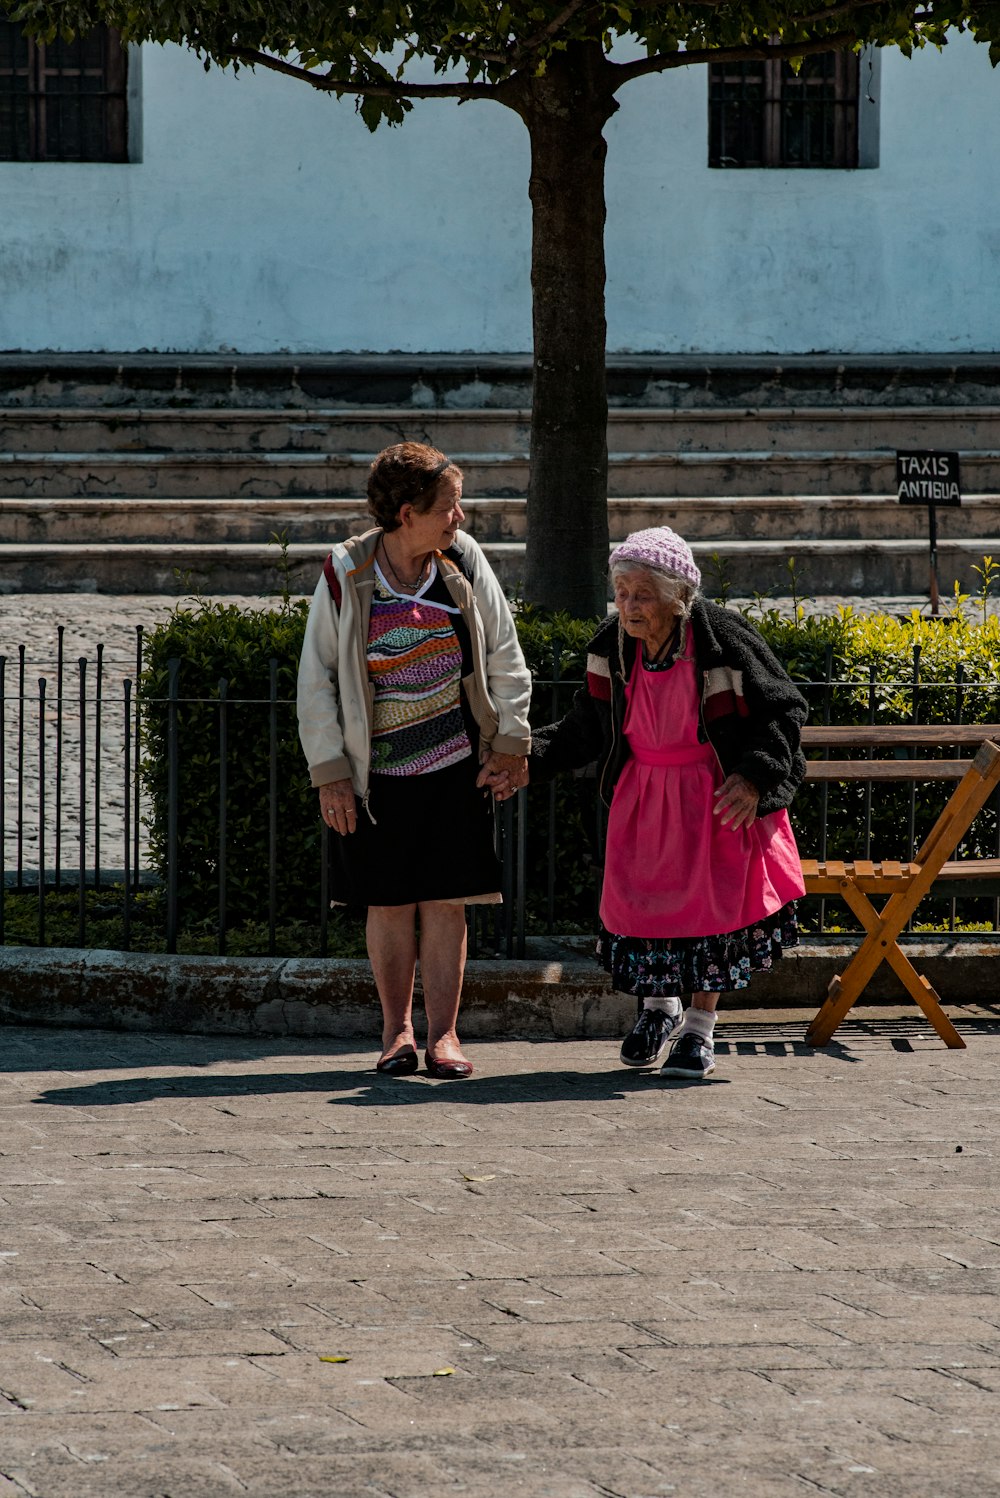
{"x":532,"y":43}
{"x":662,"y":62}
{"x":325,"y":82}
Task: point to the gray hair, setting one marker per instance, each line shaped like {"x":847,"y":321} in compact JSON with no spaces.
{"x":669,"y":588}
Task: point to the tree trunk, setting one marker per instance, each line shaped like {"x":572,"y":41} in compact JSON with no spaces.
{"x":567,"y":551}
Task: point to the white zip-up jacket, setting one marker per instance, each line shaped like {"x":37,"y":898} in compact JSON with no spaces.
{"x":334,"y":693}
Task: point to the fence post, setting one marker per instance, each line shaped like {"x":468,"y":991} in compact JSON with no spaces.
{"x":20,"y":766}
{"x":41,"y":811}
{"x":509,"y":886}
{"x":324,"y":890}
{"x":59,"y":753}
{"x":135,"y":791}
{"x":550,"y":862}
{"x":98,"y":718}
{"x":824,"y":795}
{"x":959,"y":708}
{"x":521,"y":892}
{"x":872,"y":704}
{"x":272,"y":821}
{"x":81,"y":893}
{"x":127,"y":811}
{"x":915,"y":718}
{"x":223,"y":798}
{"x":3,"y":782}
{"x":173,"y":668}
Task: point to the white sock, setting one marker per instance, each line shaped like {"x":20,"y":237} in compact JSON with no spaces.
{"x":671,"y":1006}
{"x":698,"y":1022}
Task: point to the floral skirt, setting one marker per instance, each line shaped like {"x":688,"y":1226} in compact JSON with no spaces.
{"x":655,"y":967}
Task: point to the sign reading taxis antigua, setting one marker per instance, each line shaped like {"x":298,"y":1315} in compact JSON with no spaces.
{"x":928,"y":478}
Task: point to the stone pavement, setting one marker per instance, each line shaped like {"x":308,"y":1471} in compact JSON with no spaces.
{"x":255,"y":1267}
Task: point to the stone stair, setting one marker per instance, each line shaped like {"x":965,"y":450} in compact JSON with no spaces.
{"x":159,"y":476}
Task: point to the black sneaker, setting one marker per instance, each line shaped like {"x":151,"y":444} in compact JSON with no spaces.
{"x":649,"y":1037}
{"x":691,"y":1056}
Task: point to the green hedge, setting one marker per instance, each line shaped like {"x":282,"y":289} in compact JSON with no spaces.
{"x":211,"y":642}
{"x":869,"y":661}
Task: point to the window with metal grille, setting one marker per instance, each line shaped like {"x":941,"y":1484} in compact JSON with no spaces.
{"x":765,"y":114}
{"x":63,"y":101}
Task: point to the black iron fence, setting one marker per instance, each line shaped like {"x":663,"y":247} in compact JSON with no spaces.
{"x":101,"y":843}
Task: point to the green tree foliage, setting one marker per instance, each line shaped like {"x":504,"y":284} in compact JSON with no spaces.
{"x":551,"y":62}
{"x":482,"y":46}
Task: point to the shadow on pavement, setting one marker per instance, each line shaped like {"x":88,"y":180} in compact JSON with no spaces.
{"x":358,"y":1085}
{"x":362,"y":1087}
{"x":74,"y":1049}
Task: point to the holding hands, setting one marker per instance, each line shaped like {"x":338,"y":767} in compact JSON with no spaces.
{"x":503,"y":774}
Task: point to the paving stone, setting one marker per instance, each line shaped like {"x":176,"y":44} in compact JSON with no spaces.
{"x":636,"y":1304}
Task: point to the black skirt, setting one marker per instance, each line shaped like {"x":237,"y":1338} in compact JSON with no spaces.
{"x":429,"y":837}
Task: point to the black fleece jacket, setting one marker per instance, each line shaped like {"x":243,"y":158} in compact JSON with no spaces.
{"x":750,"y":712}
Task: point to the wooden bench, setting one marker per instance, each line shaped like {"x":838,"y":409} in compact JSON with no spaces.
{"x":905,"y":884}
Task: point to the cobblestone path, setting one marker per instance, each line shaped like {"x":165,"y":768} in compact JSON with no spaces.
{"x":233,"y":1267}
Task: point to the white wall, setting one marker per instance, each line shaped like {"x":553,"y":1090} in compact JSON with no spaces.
{"x":264,"y":218}
{"x":904,"y":257}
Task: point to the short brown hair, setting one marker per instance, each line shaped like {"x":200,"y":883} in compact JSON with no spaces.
{"x":405,"y":474}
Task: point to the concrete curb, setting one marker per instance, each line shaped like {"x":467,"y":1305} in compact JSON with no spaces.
{"x":562,"y":996}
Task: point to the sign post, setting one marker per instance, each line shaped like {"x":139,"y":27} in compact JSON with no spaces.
{"x":929,"y":478}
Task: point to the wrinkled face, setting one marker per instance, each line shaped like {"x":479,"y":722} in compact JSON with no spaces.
{"x":644,"y":614}
{"x":436,"y":528}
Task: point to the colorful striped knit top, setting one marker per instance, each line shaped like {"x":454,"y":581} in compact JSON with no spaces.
{"x":415,"y":667}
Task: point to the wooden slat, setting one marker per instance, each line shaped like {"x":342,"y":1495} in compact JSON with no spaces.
{"x":971,"y":868}
{"x":886,"y":769}
{"x":881,"y":884}
{"x":893,"y":735}
{"x":877,"y":884}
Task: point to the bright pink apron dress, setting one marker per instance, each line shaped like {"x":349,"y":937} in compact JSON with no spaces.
{"x":671,"y":868}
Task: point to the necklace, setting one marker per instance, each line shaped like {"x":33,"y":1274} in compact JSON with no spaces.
{"x":407,"y":587}
{"x":658,"y":658}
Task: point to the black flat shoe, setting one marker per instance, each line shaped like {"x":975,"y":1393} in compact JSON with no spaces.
{"x":402,"y":1064}
{"x":447,"y":1071}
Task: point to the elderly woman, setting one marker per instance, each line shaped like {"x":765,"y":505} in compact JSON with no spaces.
{"x":413,"y":712}
{"x":695,"y":726}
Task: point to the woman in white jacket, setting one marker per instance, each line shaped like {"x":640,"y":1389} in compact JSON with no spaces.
{"x":413,"y":710}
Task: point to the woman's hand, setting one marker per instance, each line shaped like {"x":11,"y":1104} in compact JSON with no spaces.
{"x":336,"y":806}
{"x":736,"y":802}
{"x":504,"y":774}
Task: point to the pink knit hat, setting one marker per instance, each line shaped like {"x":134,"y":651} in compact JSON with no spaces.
{"x":658,"y":547}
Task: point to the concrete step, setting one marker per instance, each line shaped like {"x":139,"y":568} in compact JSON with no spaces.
{"x":879,"y":568}
{"x":195,"y":522}
{"x":731,"y":474}
{"x":430,"y":380}
{"x":365,"y":432}
{"x":98,"y":430}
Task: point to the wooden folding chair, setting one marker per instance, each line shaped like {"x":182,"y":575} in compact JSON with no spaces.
{"x":905,"y":884}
